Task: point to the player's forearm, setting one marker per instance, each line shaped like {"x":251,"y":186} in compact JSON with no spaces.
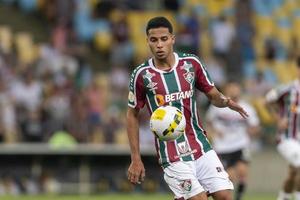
{"x":133,"y":135}
{"x":217,"y":98}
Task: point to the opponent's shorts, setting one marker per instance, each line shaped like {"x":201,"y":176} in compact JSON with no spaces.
{"x":189,"y":178}
{"x":231,"y":159}
{"x":289,"y":149}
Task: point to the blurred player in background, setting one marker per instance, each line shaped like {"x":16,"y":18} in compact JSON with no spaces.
{"x":231,"y":135}
{"x":285,"y":105}
{"x":191,"y":167}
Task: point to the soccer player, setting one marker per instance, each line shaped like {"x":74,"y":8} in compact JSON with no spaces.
{"x":285,"y":101}
{"x":231,"y":136}
{"x":191,"y":167}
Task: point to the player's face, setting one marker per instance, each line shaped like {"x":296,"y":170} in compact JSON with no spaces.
{"x":161,"y":42}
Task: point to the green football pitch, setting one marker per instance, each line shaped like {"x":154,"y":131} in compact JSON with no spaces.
{"x":122,"y":197}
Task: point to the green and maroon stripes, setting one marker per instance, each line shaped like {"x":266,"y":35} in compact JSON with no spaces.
{"x":173,"y":86}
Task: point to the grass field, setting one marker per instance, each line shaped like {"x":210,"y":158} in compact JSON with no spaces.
{"x":122,"y":197}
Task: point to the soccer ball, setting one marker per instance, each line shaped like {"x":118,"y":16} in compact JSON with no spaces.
{"x":167,"y":123}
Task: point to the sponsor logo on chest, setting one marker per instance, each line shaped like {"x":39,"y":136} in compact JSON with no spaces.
{"x":176,"y":96}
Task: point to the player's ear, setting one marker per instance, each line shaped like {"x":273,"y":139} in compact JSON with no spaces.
{"x":173,"y":38}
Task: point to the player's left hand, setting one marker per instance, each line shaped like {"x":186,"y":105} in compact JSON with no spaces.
{"x":236,"y":107}
{"x":136,"y":172}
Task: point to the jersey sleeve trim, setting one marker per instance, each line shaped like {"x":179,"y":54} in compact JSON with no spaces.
{"x":132,"y":98}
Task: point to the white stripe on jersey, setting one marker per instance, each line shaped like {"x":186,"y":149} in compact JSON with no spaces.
{"x":291,"y":124}
{"x":167,"y":92}
{"x":134,"y":86}
{"x":182,"y":110}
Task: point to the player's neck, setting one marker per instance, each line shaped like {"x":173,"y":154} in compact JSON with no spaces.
{"x":165,"y":64}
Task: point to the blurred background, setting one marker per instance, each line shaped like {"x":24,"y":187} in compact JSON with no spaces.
{"x":64,"y":70}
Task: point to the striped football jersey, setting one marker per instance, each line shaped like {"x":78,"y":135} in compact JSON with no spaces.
{"x":287,"y":96}
{"x":153,"y":87}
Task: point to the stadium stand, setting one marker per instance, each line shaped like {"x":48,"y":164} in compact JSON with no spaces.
{"x":66,"y":92}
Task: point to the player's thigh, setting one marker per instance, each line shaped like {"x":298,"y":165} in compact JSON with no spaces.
{"x":232,"y":174}
{"x":211,"y":173}
{"x":181,"y":179}
{"x":201,"y":196}
{"x":223,"y":195}
{"x":241,"y":169}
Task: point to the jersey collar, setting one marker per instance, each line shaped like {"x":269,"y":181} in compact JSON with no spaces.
{"x":162,"y":71}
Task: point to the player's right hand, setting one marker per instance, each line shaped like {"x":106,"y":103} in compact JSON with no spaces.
{"x":136,"y":172}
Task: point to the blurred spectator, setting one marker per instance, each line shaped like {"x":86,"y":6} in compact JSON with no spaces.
{"x":245,"y":29}
{"x":57,"y":107}
{"x":8,"y":123}
{"x":27,"y":91}
{"x":32,"y":127}
{"x":8,"y":185}
{"x":95,"y":103}
{"x":188,"y":36}
{"x":121,"y":50}
{"x":77,"y":123}
{"x":216,"y":69}
{"x":223,"y":33}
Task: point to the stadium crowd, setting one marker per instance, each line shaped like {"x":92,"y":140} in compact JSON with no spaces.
{"x":49,"y":87}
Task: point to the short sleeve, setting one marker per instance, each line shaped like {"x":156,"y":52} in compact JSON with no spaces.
{"x":253,"y":119}
{"x":136,"y":96}
{"x":276,"y":94}
{"x":203,"y":81}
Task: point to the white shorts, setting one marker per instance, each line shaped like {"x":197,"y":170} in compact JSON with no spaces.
{"x":289,"y":149}
{"x":206,"y":174}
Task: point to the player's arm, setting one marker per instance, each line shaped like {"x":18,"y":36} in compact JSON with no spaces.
{"x":221,"y":101}
{"x":136,"y":170}
{"x":271,"y":102}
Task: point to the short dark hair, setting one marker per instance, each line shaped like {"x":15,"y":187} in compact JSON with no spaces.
{"x":158,"y":22}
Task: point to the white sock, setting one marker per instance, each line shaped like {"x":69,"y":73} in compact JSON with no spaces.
{"x":297,"y":195}
{"x":284,"y":196}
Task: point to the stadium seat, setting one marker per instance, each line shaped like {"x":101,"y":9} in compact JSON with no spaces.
{"x":285,"y":71}
{"x":27,"y":51}
{"x":263,"y":113}
{"x":103,"y":41}
{"x":218,"y":7}
{"x":264,"y":25}
{"x":296,"y":25}
{"x":5,"y":39}
{"x":283,"y":31}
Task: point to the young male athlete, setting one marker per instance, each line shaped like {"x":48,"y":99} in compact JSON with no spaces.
{"x":286,"y":98}
{"x":191,"y":167}
{"x":231,"y":135}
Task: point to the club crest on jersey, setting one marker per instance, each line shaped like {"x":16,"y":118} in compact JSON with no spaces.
{"x":183,"y":147}
{"x":186,"y":185}
{"x":189,"y":74}
{"x":189,"y":77}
